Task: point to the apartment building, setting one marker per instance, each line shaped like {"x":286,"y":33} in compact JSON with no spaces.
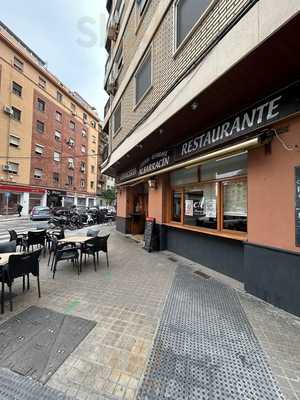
{"x":50,"y":135}
{"x":203,"y":123}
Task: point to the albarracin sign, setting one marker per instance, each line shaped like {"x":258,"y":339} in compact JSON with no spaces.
{"x":264,"y":113}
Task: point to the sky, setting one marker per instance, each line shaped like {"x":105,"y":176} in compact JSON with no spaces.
{"x":69,"y":35}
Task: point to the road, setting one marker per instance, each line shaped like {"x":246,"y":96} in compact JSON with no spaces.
{"x":19,"y":225}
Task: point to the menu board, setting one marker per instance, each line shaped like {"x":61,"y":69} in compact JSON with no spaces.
{"x":148,"y":234}
{"x":297,"y":211}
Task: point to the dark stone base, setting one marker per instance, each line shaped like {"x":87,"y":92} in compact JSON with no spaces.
{"x":123,"y":225}
{"x":223,"y":255}
{"x":274,"y":276}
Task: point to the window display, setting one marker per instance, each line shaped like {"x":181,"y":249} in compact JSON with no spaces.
{"x":212,"y":195}
{"x":201,"y":206}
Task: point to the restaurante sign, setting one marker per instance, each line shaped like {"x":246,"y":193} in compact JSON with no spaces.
{"x":273,"y":109}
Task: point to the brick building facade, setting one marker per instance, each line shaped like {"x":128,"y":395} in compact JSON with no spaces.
{"x":51,"y":137}
{"x":202,"y":121}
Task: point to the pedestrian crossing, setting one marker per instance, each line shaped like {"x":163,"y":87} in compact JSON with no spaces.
{"x":18,"y":226}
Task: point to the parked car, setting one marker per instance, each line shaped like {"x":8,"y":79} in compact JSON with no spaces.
{"x":40,"y":213}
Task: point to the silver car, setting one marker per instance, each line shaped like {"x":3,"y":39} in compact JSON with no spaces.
{"x":40,"y":213}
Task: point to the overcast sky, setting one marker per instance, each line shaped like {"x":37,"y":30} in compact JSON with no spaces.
{"x":69,"y":35}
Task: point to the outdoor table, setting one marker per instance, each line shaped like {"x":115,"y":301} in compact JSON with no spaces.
{"x":4,"y":257}
{"x":81,"y":240}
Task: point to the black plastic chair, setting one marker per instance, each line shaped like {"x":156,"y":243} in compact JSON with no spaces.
{"x":102,"y":243}
{"x":34,"y":239}
{"x":19,"y":266}
{"x":58,"y":234}
{"x":94,"y":246}
{"x":8,"y":247}
{"x":18,"y":238}
{"x":64,"y":252}
{"x":92,"y":233}
{"x":91,"y":248}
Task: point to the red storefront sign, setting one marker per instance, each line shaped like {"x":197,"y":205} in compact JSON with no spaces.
{"x":22,"y":189}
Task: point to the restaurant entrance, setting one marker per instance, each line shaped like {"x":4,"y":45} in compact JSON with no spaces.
{"x":139,"y":211}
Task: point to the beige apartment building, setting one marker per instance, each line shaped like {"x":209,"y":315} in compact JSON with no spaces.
{"x":203,"y":122}
{"x":50,"y":136}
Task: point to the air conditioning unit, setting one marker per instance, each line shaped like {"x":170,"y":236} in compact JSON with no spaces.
{"x":8,"y":110}
{"x":85,"y":122}
{"x":6,"y":167}
{"x":112,"y":87}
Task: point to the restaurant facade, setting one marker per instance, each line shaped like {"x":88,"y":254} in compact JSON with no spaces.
{"x":221,"y":175}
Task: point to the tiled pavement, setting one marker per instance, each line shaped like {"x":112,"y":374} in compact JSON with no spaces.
{"x":127,"y":301}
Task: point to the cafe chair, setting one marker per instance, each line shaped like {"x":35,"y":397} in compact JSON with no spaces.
{"x":20,"y":265}
{"x":58,"y":234}
{"x":64,"y":252}
{"x":34,"y":239}
{"x":92,"y":233}
{"x":8,"y":247}
{"x":91,"y":248}
{"x":18,"y":238}
{"x":103,"y":246}
{"x":94,"y":246}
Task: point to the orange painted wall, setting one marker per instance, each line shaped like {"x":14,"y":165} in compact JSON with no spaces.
{"x":156,"y":199}
{"x":124,"y":202}
{"x":121,"y":203}
{"x":271,"y":191}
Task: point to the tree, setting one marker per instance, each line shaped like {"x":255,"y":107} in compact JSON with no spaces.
{"x":109,"y":196}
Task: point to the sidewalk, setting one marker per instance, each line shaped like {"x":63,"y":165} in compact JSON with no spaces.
{"x":165,"y":333}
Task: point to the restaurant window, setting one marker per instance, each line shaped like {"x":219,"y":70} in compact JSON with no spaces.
{"x":17,"y":89}
{"x":211,"y":196}
{"x":188,"y":13}
{"x":143,"y":78}
{"x":235,"y":206}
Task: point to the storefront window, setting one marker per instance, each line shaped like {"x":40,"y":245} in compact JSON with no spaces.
{"x":235,"y":206}
{"x":212,"y":195}
{"x":201,"y":206}
{"x":176,"y":212}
